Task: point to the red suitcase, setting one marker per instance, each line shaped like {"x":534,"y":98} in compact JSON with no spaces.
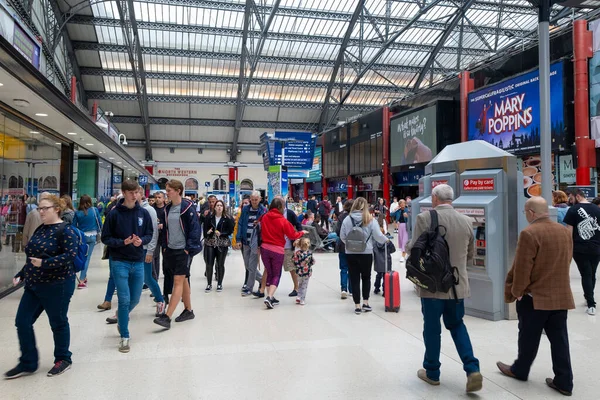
{"x":391,"y":287}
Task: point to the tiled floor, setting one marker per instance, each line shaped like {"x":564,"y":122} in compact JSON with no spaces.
{"x":235,"y":349}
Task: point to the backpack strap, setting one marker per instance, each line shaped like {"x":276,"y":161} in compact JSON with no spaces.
{"x":434,"y":220}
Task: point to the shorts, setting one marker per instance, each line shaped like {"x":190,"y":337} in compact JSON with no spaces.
{"x":288,"y":262}
{"x":177,"y":262}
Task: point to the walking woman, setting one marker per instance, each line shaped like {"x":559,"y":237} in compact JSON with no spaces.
{"x":274,"y":229}
{"x":49,"y":277}
{"x":68,"y":213}
{"x":217,"y":229}
{"x":402,"y":213}
{"x":87,"y":220}
{"x":360,"y":262}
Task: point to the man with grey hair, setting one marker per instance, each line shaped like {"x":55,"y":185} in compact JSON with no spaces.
{"x":459,"y":235}
{"x":246,"y":223}
{"x":33,"y":220}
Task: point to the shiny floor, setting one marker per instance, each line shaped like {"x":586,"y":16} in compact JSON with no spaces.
{"x":236,"y":349}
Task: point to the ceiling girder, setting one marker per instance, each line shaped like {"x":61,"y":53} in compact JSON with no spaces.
{"x":118,"y":119}
{"x":457,"y":17}
{"x":246,"y":81}
{"x":340,"y":59}
{"x":236,"y":57}
{"x":281,"y":35}
{"x":222,"y":101}
{"x":136,"y":59}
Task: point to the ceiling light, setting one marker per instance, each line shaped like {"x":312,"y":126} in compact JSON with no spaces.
{"x":1,"y":84}
{"x":111,"y":158}
{"x":119,"y":162}
{"x":57,"y":143}
{"x":35,"y":132}
{"x":76,"y":151}
{"x":89,"y":144}
{"x":71,"y":133}
{"x":41,"y":115}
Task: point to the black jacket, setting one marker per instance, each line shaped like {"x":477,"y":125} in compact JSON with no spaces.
{"x":225,"y":226}
{"x":340,"y":247}
{"x":293,"y":219}
{"x":312,"y":206}
{"x":336,"y":210}
{"x":120,"y":224}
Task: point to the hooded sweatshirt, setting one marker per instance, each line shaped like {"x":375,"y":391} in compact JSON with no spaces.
{"x":274,"y":228}
{"x":154,"y":218}
{"x":371,"y":230}
{"x":121,"y":223}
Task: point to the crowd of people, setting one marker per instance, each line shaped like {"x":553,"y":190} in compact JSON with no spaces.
{"x":138,"y":232}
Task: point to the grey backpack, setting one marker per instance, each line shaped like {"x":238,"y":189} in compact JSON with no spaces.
{"x":355,"y":240}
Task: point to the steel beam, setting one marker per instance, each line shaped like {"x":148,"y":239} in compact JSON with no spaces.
{"x":136,"y":59}
{"x":118,"y":119}
{"x":229,"y":79}
{"x":339,"y":61}
{"x":245,"y":82}
{"x":237,"y":33}
{"x":379,"y":53}
{"x":457,"y":17}
{"x":222,"y":101}
{"x":236,"y":57}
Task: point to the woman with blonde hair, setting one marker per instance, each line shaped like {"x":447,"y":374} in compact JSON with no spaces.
{"x":87,"y":220}
{"x":360,"y":260}
{"x":49,"y":276}
{"x":68,"y":213}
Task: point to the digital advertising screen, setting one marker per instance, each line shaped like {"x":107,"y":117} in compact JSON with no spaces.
{"x":507,"y":114}
{"x":295,"y":148}
{"x":413,"y":137}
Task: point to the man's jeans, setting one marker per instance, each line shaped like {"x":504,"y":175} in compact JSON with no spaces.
{"x":251,"y":264}
{"x":129,"y":279}
{"x":151,"y":282}
{"x":344,"y":278}
{"x":453,"y":312}
{"x":91,"y":242}
{"x":53,"y":298}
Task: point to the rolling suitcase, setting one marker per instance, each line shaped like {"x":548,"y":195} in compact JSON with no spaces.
{"x":391,"y":286}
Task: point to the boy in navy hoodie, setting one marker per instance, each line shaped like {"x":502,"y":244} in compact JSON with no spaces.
{"x":126,"y":230}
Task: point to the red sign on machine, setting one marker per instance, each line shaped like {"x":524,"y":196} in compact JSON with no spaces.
{"x":439,"y":182}
{"x":475,"y":185}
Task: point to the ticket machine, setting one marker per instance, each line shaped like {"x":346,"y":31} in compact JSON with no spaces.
{"x":488,"y":189}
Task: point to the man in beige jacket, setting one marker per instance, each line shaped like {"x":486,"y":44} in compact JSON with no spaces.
{"x":459,"y":235}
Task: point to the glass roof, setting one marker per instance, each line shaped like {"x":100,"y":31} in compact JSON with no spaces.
{"x":195,"y":48}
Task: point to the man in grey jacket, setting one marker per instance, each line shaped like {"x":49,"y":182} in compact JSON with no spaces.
{"x":459,"y":235}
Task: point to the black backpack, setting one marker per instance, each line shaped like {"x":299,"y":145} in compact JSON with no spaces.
{"x":428,"y":265}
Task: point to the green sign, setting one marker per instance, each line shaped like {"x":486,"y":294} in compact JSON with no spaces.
{"x":314,"y":174}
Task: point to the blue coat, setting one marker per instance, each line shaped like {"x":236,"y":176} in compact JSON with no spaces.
{"x":242,"y":232}
{"x":190,"y":225}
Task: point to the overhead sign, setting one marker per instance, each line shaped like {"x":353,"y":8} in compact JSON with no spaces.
{"x":206,"y":184}
{"x":314,"y":174}
{"x":413,"y":137}
{"x":15,"y":33}
{"x":143,"y":180}
{"x":296,"y":149}
{"x":589,"y":190}
{"x":176,"y":172}
{"x":507,"y":114}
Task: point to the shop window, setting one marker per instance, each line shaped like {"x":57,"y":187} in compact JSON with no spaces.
{"x":246,"y":184}
{"x":219,"y":185}
{"x":12,"y":182}
{"x":191,"y":184}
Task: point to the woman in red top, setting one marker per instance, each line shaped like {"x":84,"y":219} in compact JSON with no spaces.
{"x":274,"y":228}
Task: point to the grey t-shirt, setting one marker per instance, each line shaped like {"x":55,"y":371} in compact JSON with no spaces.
{"x":176,"y":236}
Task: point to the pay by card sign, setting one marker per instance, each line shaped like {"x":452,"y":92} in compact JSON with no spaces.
{"x":478,"y":184}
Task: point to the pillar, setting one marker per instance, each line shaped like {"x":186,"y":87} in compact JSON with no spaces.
{"x":386,"y":157}
{"x":350,"y":187}
{"x":305,"y":190}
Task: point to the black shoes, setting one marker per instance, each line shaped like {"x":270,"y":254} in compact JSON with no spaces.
{"x":268,"y":302}
{"x":59,"y":367}
{"x":376,"y":291}
{"x":163,"y":321}
{"x":219,"y":288}
{"x":185,"y":316}
{"x":294,"y":293}
{"x":208,"y":288}
{"x":357,"y":311}
{"x":274,"y":301}
{"x":17,"y":372}
{"x":258,"y":295}
{"x":366,"y":308}
{"x":111,"y":320}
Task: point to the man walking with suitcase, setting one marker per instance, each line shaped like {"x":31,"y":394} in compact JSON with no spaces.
{"x":459,"y":235}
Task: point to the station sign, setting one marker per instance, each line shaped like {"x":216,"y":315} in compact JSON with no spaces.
{"x":296,"y":149}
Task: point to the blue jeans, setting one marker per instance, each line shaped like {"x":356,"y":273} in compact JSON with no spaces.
{"x":129,"y":279}
{"x":151,"y":282}
{"x":53,"y":298}
{"x":344,"y":277}
{"x":91,"y":242}
{"x":452,"y":313}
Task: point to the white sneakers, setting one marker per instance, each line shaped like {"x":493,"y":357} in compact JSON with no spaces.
{"x":591,"y":311}
{"x":344,"y":295}
{"x":124,"y":346}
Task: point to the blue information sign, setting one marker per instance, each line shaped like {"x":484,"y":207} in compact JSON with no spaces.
{"x":143,"y":180}
{"x":295,"y":148}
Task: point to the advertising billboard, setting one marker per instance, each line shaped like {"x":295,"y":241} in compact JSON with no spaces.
{"x":507,"y":114}
{"x":413,"y":137}
{"x":314,"y":174}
